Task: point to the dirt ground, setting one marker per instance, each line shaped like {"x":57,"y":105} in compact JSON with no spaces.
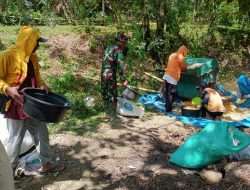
{"x":131,"y":154}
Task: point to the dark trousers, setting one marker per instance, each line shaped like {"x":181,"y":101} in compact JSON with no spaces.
{"x":170,"y":95}
{"x":204,"y":110}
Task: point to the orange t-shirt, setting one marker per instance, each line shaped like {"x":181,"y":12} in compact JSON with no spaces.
{"x":176,"y":63}
{"x":215,"y":103}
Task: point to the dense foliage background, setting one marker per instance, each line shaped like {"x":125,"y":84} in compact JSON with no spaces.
{"x":213,"y":28}
{"x":221,"y":23}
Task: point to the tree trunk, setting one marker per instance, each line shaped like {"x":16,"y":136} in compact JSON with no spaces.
{"x":244,"y":6}
{"x":145,"y":24}
{"x":103,"y":12}
{"x":160,"y":20}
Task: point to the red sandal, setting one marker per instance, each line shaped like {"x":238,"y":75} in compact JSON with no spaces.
{"x":51,"y":167}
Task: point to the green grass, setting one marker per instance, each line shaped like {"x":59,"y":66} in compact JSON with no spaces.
{"x":77,"y":126}
{"x":84,"y":120}
{"x":8,"y":35}
{"x":81,"y":119}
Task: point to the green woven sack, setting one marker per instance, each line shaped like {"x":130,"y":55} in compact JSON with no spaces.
{"x":215,"y":141}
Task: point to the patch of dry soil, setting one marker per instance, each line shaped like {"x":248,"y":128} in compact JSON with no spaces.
{"x":130,"y":154}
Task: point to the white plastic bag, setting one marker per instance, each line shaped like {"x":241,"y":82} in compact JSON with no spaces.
{"x":127,"y":108}
{"x":242,"y":155}
{"x":27,"y":140}
{"x":90,"y":101}
{"x":29,"y":165}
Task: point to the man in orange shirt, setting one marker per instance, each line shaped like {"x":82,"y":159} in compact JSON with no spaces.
{"x":212,"y":104}
{"x":175,"y":65}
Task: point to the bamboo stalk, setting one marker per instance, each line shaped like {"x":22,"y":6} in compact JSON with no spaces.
{"x":89,"y":77}
{"x":155,"y":77}
{"x":119,"y":84}
{"x":144,"y":89}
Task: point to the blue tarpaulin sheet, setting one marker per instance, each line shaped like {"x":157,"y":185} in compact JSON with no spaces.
{"x":155,"y":101}
{"x":246,"y":104}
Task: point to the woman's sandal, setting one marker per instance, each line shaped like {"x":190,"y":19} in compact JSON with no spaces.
{"x":51,"y":167}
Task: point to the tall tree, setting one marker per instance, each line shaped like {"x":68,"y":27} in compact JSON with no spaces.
{"x":145,"y":24}
{"x":160,"y":14}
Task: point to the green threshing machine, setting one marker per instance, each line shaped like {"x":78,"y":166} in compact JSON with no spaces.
{"x":190,"y":79}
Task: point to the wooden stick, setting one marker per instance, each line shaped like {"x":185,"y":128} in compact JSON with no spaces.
{"x":155,"y":77}
{"x":89,"y":77}
{"x":140,"y":88}
{"x":119,"y":84}
{"x":144,"y":89}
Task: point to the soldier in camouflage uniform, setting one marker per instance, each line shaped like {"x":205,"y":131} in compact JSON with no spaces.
{"x":112,"y":63}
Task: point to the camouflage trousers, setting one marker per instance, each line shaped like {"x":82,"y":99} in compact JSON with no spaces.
{"x":109,"y":95}
{"x":109,"y":90}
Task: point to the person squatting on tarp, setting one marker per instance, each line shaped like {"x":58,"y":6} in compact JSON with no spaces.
{"x":212,"y":104}
{"x":112,"y":63}
{"x":243,"y":90}
{"x":20,"y":69}
{"x":174,"y":67}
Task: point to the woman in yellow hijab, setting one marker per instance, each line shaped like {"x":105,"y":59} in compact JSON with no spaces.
{"x":20,"y":69}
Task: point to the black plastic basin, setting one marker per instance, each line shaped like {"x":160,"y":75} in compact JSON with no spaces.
{"x":49,"y":107}
{"x":185,"y":111}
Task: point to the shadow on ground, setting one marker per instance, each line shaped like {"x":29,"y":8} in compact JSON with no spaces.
{"x":133,"y":155}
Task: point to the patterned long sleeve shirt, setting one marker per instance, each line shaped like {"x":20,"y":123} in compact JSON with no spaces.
{"x":112,"y":63}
